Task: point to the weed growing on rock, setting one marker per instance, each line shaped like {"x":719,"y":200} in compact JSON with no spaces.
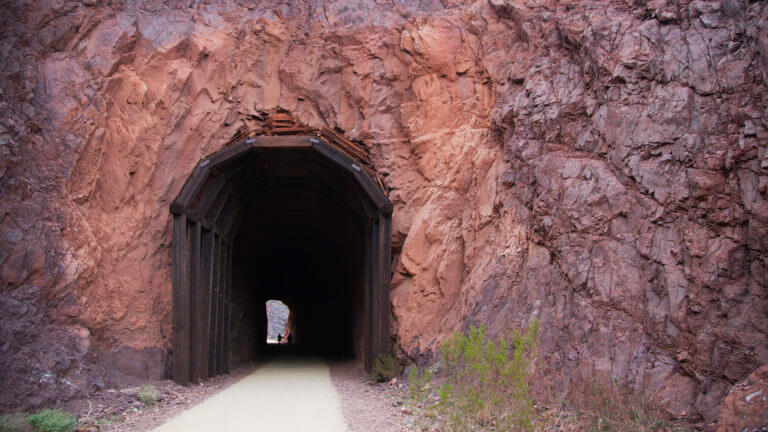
{"x":52,"y":420}
{"x":13,"y":423}
{"x":385,"y":367}
{"x":612,"y":408}
{"x":148,"y":395}
{"x":597,"y":402}
{"x":485,"y":383}
{"x":419,"y":384}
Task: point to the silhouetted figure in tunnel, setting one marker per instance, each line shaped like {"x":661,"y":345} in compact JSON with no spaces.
{"x":290,"y":338}
{"x":279,"y":338}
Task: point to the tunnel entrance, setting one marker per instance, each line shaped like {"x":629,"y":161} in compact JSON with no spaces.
{"x":277,"y":320}
{"x":299,"y":218}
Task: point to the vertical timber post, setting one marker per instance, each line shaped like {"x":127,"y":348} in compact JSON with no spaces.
{"x":205,"y":304}
{"x":181,"y":300}
{"x":381,"y":297}
{"x":195,"y":285}
{"x":370,"y":290}
{"x":214,"y":305}
{"x":220,"y":312}
{"x":227,"y":307}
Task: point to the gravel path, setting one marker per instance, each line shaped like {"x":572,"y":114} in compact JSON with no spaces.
{"x":284,"y":395}
{"x":120,"y":410}
{"x":366,"y":407}
{"x":361,"y":406}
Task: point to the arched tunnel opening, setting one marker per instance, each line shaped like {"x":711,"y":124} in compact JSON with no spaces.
{"x":278,"y":328}
{"x":295,"y":218}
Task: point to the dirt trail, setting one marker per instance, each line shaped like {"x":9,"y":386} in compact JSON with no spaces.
{"x":284,"y":395}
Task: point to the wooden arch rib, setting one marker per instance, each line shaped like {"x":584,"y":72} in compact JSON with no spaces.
{"x":206,"y":216}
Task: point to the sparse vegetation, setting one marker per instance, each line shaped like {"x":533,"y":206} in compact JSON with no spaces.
{"x":107,"y":420}
{"x":385,"y":367}
{"x":13,"y":422}
{"x":419,"y":384}
{"x":482,"y":385}
{"x":485,"y":384}
{"x":148,"y":395}
{"x":609,"y":408}
{"x":52,"y":420}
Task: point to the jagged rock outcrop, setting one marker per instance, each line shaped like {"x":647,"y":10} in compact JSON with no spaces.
{"x":746,"y":406}
{"x":601,"y":165}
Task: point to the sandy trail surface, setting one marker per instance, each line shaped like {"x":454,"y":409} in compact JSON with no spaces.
{"x":284,"y":395}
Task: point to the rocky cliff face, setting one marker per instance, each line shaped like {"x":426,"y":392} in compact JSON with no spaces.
{"x":601,"y":165}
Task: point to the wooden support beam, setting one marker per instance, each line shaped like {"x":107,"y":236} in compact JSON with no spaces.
{"x":221,"y":201}
{"x":288,"y":130}
{"x":285,"y":142}
{"x":381,"y":290}
{"x":191,"y":187}
{"x":181,"y":300}
{"x":230,"y":153}
{"x":213,"y":188}
{"x":229,"y":220}
{"x":226,"y":218}
{"x":209,"y":194}
{"x":227,"y":306}
{"x":246,"y":188}
{"x":213,"y":331}
{"x":221,"y":308}
{"x":205,"y":306}
{"x":370,"y":263}
{"x":360,"y":220}
{"x":195,"y":290}
{"x":377,"y":296}
{"x":233,"y":229}
{"x":350,"y":166}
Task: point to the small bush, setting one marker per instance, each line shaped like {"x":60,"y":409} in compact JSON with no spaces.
{"x":486,"y":383}
{"x":52,"y":420}
{"x":385,"y":367}
{"x":13,"y":422}
{"x":419,"y":384}
{"x":148,"y":395}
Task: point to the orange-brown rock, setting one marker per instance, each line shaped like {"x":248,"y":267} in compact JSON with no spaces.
{"x":602,"y":165}
{"x":746,"y":406}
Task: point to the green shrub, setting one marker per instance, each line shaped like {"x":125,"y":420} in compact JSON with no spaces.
{"x":13,"y":422}
{"x":385,"y":367}
{"x":148,"y":395}
{"x":419,"y":384}
{"x":52,"y":420}
{"x":486,"y":383}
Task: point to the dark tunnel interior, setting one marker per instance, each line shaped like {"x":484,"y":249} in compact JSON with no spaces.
{"x":300,"y":219}
{"x":300,"y":241}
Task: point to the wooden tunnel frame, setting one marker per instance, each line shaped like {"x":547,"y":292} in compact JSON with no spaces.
{"x":206,"y":218}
